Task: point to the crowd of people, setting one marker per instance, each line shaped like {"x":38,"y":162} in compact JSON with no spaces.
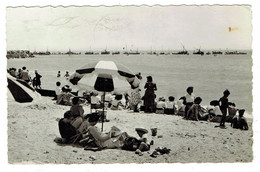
{"x":24,"y":75}
{"x":75,"y":126}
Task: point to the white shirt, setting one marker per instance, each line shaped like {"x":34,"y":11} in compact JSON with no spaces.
{"x":115,"y":102}
{"x":170,"y":105}
{"x":190,"y":98}
{"x":95,"y":100}
{"x":57,"y":90}
{"x":161,"y":104}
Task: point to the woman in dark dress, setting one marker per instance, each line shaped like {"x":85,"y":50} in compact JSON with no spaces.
{"x":149,"y":95}
{"x":37,"y":80}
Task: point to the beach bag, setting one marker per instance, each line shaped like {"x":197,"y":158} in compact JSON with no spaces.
{"x":131,"y":144}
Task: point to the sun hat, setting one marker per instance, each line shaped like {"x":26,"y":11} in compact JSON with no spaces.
{"x":141,"y":129}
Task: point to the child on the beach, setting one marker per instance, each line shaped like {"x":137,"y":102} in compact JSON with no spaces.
{"x":116,"y":104}
{"x":170,"y":106}
{"x":160,"y":106}
{"x":240,"y":121}
{"x":223,"y":104}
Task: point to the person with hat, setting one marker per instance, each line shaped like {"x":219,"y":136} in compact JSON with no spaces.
{"x":149,"y":96}
{"x":144,"y":144}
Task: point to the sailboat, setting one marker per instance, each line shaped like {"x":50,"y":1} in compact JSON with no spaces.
{"x":183,"y":52}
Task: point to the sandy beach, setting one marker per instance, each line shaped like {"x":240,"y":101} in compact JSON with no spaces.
{"x":32,"y":127}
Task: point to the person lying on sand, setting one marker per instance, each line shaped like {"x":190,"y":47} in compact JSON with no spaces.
{"x":144,"y":145}
{"x":110,"y":140}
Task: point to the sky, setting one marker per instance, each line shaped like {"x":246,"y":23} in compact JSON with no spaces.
{"x":129,"y":28}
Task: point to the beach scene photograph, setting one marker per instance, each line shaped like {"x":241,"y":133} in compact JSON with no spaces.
{"x":129,"y":84}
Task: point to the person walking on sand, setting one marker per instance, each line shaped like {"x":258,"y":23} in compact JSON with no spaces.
{"x":188,"y":101}
{"x":223,"y":105}
{"x":149,"y":95}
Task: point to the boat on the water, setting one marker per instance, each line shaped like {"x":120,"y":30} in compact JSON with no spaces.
{"x":235,"y":52}
{"x":105,"y":52}
{"x":183,"y":52}
{"x":198,"y":52}
{"x":115,"y":53}
{"x":89,"y":53}
{"x":217,"y":52}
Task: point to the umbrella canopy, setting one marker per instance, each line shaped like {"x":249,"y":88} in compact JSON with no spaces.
{"x":104,"y":76}
{"x":20,"y":90}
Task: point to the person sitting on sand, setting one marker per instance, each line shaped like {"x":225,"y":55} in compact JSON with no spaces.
{"x":116,"y":104}
{"x":144,"y":143}
{"x":95,"y":100}
{"x":194,"y":111}
{"x":239,"y":121}
{"x":160,"y":106}
{"x":170,"y":106}
{"x":25,"y":75}
{"x":64,"y":98}
{"x":13,"y":72}
{"x":110,"y":140}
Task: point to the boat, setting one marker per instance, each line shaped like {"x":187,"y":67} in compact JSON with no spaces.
{"x":198,"y":52}
{"x":183,"y":52}
{"x":235,"y":52}
{"x":115,"y":53}
{"x":105,"y":52}
{"x":89,"y":53}
{"x":208,"y":53}
{"x":217,"y":52}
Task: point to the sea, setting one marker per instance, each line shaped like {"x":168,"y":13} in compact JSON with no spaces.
{"x":209,"y":75}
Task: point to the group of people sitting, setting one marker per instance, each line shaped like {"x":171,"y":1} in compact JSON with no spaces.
{"x":77,"y":128}
{"x":187,"y":106}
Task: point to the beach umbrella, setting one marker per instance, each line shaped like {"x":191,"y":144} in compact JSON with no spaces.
{"x":104,"y":76}
{"x":20,"y":90}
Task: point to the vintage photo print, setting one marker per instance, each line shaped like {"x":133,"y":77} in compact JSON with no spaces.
{"x":129,"y":84}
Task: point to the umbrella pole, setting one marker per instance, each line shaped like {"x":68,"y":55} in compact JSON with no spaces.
{"x":103,"y":114}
